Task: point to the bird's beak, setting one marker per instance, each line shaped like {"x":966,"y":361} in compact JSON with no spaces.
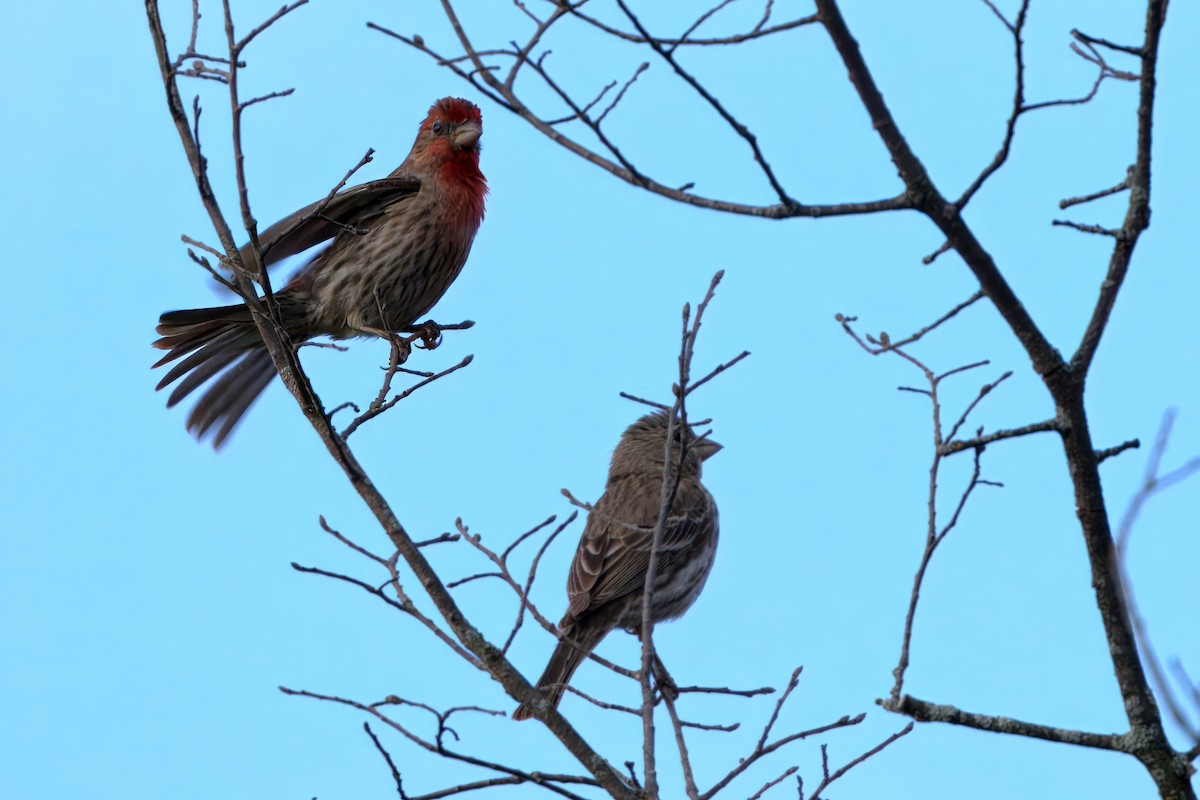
{"x":466,"y":135}
{"x":706,"y":448}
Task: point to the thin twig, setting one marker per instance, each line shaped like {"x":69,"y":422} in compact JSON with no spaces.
{"x":773,"y":783}
{"x":353,"y":546}
{"x":1096,"y":229}
{"x":738,"y":127}
{"x":1123,"y":48}
{"x":1087,"y":198}
{"x":829,"y":777}
{"x":773,"y":746}
{"x":725,"y":690}
{"x":375,"y":410}
{"x":529,"y":578}
{"x":958,"y":445}
{"x":944,"y":247}
{"x":689,"y":778}
{"x":387,"y":757}
{"x":883,"y":343}
{"x":758,"y":31}
{"x":509,"y":775}
{"x":1109,"y":452}
{"x":644,"y":401}
{"x":1018,"y":108}
{"x":717,"y":371}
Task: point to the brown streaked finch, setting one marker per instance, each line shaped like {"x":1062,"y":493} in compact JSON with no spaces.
{"x":606,"y":584}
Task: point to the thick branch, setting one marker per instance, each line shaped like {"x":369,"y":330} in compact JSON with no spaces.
{"x":1065,"y":382}
{"x":925,"y":197}
{"x":923,"y":711}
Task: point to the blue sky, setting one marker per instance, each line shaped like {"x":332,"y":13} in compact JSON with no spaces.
{"x":147,"y":604}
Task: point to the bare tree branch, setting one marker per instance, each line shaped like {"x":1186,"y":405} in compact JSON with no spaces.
{"x":711,"y":99}
{"x":958,"y":445}
{"x":1087,"y":198}
{"x":758,"y":31}
{"x":388,"y":758}
{"x":923,"y":711}
{"x":829,"y":777}
{"x":509,"y":775}
{"x":1064,"y":382}
{"x":482,"y":77}
{"x":1109,"y":452}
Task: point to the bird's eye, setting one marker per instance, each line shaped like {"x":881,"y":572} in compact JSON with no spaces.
{"x":437,"y":126}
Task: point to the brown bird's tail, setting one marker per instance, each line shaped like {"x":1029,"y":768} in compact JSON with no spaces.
{"x":563,"y":662}
{"x":222,"y":341}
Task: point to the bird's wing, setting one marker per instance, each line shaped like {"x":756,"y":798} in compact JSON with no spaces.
{"x":313,"y":224}
{"x":612,"y":557}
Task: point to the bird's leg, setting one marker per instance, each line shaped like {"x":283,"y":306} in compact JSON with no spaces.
{"x":662,"y":679}
{"x":401,"y":349}
{"x":428,"y":332}
{"x":401,"y":346}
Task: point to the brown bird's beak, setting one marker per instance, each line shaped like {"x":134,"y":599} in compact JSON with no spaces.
{"x":707,"y":448}
{"x":466,"y":135}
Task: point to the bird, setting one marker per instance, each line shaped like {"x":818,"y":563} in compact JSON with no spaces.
{"x":606,"y":582}
{"x":397,"y":245}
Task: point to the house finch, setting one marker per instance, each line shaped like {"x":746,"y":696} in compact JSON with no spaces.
{"x":605,"y":587}
{"x":398,"y":244}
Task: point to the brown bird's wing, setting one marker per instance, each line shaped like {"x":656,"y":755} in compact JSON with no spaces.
{"x":355,"y":207}
{"x":613,"y":555}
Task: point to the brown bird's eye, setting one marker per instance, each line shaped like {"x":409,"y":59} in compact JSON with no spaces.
{"x":437,"y":126}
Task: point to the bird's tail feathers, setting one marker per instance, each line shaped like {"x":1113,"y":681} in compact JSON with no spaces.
{"x":567,"y":657}
{"x":212,"y":342}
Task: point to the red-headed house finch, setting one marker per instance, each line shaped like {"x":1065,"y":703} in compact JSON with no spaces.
{"x":606,"y":584}
{"x":398,"y":244}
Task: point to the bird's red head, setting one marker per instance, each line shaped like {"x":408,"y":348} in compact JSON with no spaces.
{"x":447,"y":147}
{"x":454,"y":111}
{"x":451,"y":131}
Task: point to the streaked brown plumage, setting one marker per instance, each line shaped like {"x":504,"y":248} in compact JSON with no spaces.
{"x":398,"y":244}
{"x":607,"y":578}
